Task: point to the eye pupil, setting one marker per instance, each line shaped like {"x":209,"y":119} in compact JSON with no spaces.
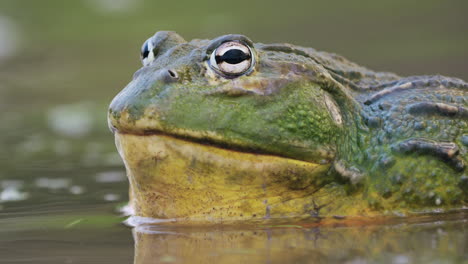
{"x":232,"y":59}
{"x":233,"y":56}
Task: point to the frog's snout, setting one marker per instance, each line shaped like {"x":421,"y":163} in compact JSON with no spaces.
{"x":137,"y":107}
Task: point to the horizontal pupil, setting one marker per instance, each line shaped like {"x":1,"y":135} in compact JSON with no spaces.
{"x":233,"y":56}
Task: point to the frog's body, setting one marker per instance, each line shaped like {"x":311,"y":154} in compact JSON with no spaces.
{"x":227,"y":129}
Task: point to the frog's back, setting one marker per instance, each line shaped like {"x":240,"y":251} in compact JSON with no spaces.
{"x":418,"y":138}
{"x":413,"y":143}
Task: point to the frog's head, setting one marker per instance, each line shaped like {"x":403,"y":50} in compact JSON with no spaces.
{"x":232,"y":93}
{"x":226,"y":110}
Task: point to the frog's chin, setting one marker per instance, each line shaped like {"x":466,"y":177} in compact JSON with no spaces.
{"x":174,"y":178}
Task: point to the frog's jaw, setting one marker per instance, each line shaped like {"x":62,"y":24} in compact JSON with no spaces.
{"x":176,"y":179}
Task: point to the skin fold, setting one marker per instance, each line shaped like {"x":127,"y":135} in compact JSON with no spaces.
{"x":301,"y":133}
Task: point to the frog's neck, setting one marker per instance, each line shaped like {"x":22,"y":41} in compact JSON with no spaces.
{"x":351,"y":146}
{"x":351,"y":143}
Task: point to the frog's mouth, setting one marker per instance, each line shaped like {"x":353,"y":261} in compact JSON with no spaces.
{"x":214,"y":141}
{"x":147,"y":127}
{"x":197,"y":145}
{"x":172,"y":177}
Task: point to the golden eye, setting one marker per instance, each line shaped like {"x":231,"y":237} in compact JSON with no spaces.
{"x":232,"y":59}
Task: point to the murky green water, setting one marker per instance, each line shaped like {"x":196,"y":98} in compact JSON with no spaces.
{"x":61,"y":180}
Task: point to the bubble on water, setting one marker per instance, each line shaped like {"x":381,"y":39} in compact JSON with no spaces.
{"x":53,"y":184}
{"x":110,"y":176}
{"x":12,"y":193}
{"x":74,"y":120}
{"x":111,"y":197}
{"x":75,"y":189}
{"x":114,"y":6}
{"x":9,"y":38}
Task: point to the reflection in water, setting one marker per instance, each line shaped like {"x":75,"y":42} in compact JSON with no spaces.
{"x":430,"y":242}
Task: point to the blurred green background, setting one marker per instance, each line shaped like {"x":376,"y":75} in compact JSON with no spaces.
{"x":62,"y":62}
{"x":64,"y":51}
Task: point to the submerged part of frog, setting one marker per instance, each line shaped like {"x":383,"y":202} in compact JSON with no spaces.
{"x":227,"y":129}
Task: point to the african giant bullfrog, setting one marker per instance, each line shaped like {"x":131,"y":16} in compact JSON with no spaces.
{"x":228,"y":129}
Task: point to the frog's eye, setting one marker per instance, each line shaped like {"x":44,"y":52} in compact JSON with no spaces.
{"x":232,"y":59}
{"x":147,"y":52}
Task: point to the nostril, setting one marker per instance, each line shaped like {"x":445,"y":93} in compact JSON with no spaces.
{"x":168,"y":75}
{"x":173,"y":74}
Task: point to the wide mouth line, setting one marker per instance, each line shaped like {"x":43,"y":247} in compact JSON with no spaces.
{"x":210,"y":142}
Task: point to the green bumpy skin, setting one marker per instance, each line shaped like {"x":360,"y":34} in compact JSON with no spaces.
{"x":327,"y":136}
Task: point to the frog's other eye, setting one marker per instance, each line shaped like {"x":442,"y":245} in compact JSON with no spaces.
{"x":147,"y":52}
{"x":232,"y":59}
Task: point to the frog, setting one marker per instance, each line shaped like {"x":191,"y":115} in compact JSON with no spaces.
{"x":227,"y":129}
